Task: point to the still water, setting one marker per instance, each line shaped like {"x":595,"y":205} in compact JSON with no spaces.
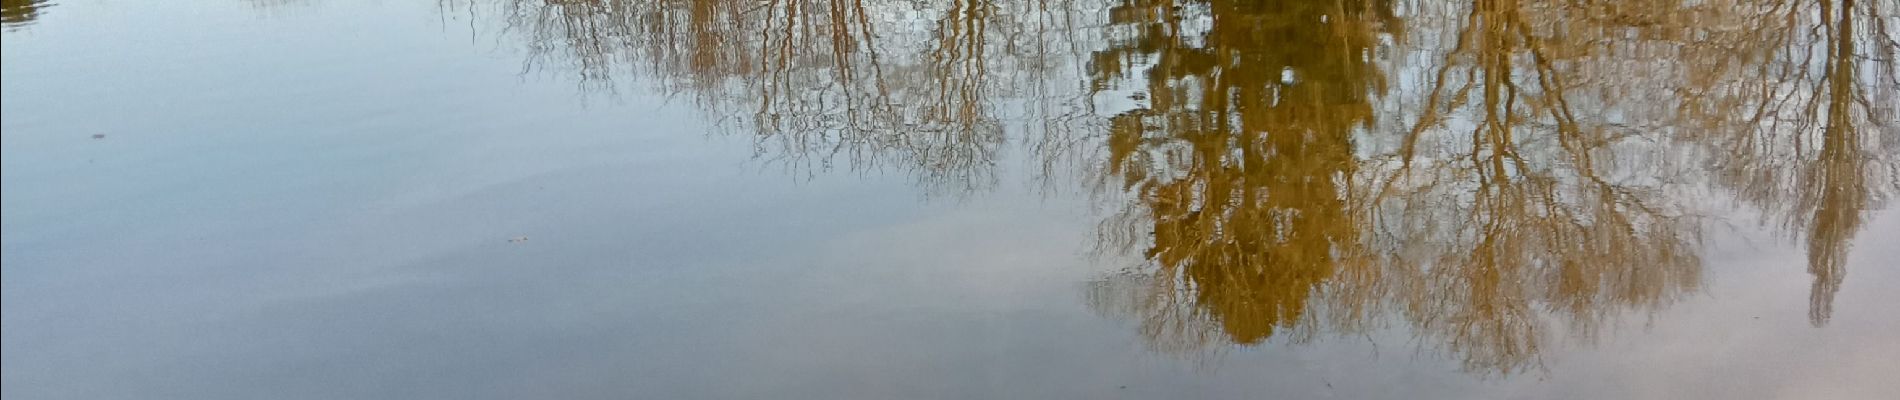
{"x":954,"y":199}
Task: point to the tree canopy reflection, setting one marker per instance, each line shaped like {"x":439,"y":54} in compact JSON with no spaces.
{"x":14,"y":13}
{"x":1490,"y":174}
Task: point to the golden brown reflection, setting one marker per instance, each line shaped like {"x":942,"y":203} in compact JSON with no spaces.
{"x":1810,"y":85}
{"x":1489,"y":223}
{"x":1533,"y":181}
{"x":1492,"y":175}
{"x":1241,"y":163}
{"x":17,"y":12}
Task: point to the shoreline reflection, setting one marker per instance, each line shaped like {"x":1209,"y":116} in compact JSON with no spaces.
{"x":1490,"y":174}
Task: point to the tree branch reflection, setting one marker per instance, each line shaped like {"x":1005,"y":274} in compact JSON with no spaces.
{"x":1491,"y":175}
{"x":816,"y":82}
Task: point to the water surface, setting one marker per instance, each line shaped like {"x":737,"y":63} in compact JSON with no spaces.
{"x":230,"y":199}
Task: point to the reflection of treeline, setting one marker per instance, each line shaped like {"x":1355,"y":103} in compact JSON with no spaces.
{"x":920,"y":86}
{"x":20,"y":11}
{"x":1492,"y":174}
{"x":1482,"y":219}
{"x":1534,"y":177}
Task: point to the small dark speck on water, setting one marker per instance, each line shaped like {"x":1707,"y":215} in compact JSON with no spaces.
{"x":98,"y":136}
{"x":518,"y":239}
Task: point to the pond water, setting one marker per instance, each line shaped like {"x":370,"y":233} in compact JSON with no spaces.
{"x":955,"y":199}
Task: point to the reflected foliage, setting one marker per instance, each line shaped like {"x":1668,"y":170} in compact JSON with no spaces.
{"x":1240,"y":163}
{"x":15,"y":13}
{"x":1491,"y":220}
{"x":1490,"y":175}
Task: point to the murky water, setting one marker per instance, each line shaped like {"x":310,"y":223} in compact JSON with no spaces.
{"x":958,"y":199}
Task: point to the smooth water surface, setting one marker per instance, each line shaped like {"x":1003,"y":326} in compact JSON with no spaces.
{"x":949,"y":199}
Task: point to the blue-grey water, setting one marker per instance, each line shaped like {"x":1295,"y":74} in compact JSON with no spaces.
{"x":957,"y":199}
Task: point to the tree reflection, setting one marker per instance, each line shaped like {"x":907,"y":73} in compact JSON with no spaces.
{"x":14,"y":13}
{"x":1239,"y":165}
{"x":1518,"y":201}
{"x":1493,"y":219}
{"x":1806,"y":126}
{"x":820,"y":81}
{"x":1490,"y":174}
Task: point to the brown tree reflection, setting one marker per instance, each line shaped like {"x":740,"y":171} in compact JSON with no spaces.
{"x":1490,"y":175}
{"x":1563,"y":209}
{"x":1534,"y":183}
{"x":1804,"y":125}
{"x":1239,"y":165}
{"x":1493,"y":220}
{"x":15,"y":13}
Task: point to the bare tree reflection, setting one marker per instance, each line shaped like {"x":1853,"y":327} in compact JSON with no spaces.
{"x":1558,"y":205}
{"x":1505,"y":206}
{"x":1804,"y":128}
{"x":816,"y":82}
{"x":1491,"y":174}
